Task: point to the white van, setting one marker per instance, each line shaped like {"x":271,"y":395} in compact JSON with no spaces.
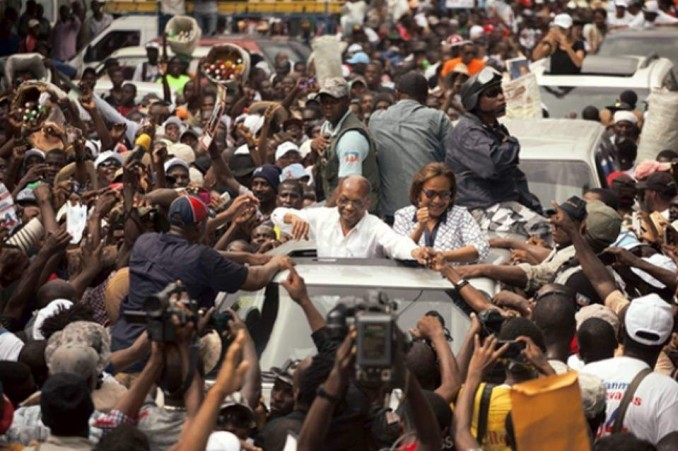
{"x":127,"y":31}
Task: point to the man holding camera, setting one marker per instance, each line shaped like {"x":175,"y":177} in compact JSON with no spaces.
{"x":159,"y":259}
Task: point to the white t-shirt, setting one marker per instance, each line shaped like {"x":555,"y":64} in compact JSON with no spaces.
{"x":654,"y":410}
{"x":662,"y":19}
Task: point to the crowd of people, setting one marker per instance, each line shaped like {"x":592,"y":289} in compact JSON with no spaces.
{"x":112,"y":202}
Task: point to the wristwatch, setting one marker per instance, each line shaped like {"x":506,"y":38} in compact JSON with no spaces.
{"x":334,"y":399}
{"x":461,"y":284}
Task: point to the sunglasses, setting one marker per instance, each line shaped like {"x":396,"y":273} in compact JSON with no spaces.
{"x":493,"y":92}
{"x":443,"y":195}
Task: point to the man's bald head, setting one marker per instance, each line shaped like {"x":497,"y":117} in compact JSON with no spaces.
{"x":55,"y":289}
{"x":356,"y":182}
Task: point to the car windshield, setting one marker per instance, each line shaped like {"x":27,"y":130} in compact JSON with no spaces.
{"x":629,"y":45}
{"x":562,"y":100}
{"x":296,"y":53}
{"x":557,"y":179}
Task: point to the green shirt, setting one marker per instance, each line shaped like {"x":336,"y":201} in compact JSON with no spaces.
{"x":176,"y":84}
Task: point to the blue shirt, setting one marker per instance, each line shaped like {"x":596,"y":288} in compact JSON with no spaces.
{"x":159,"y":259}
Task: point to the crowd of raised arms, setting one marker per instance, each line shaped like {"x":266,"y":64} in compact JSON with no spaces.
{"x":191,"y":193}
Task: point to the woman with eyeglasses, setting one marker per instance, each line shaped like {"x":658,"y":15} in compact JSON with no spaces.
{"x":434,"y":221}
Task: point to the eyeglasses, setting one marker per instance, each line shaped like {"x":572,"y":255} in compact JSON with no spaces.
{"x":442,"y":195}
{"x":357,"y":204}
{"x":492,"y":92}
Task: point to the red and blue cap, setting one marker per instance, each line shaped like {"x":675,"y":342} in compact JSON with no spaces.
{"x":188,"y":210}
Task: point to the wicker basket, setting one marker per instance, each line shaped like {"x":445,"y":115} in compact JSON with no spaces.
{"x":231,"y":54}
{"x":29,"y":93}
{"x":183,"y":34}
{"x":28,"y":62}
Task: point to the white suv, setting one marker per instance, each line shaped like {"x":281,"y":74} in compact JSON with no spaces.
{"x":600,"y":82}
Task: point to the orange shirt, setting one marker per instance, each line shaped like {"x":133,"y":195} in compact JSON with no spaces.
{"x":475,"y":66}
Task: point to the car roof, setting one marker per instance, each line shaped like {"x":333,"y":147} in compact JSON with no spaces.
{"x":608,"y":72}
{"x":565,"y":139}
{"x":650,"y":33}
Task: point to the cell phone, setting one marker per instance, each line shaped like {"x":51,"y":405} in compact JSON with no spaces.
{"x":514,"y":349}
{"x":308,"y":83}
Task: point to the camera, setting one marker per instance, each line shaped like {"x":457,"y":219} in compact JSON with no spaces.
{"x":513,"y":350}
{"x":491,"y":322}
{"x":158,"y":311}
{"x":377,"y":336}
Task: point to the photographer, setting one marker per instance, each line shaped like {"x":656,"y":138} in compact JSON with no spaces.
{"x":158,"y":259}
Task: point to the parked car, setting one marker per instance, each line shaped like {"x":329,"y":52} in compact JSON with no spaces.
{"x":558,"y":156}
{"x":104,"y":86}
{"x":660,"y":40}
{"x":601,"y":81}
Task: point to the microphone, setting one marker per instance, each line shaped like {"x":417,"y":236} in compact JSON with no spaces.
{"x":141,"y":146}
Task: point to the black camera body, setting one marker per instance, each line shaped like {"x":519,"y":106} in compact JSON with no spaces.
{"x":377,"y":337}
{"x":158,"y":313}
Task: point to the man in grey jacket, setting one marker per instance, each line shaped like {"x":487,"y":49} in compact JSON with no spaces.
{"x":408,"y":135}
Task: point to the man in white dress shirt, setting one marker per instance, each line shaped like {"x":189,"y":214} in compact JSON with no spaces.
{"x":347,"y":230}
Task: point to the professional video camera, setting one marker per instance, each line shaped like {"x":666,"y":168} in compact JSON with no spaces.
{"x":378,"y":337}
{"x":158,"y":312}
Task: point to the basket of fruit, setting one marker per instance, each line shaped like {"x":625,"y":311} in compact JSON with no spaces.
{"x":33,"y":102}
{"x":183,"y":34}
{"x":226,"y":64}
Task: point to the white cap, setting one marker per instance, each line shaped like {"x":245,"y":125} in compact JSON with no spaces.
{"x":624,"y":116}
{"x":107,"y":155}
{"x":651,"y":7}
{"x":34,"y":152}
{"x":293,"y":172}
{"x":254,"y":122}
{"x":354,"y":48}
{"x":50,"y":310}
{"x":621,"y":3}
{"x":476,"y":32}
{"x":305,"y":148}
{"x":175,"y":162}
{"x":222,"y":441}
{"x":284,"y":148}
{"x":182,"y":151}
{"x":649,"y":320}
{"x":563,"y":21}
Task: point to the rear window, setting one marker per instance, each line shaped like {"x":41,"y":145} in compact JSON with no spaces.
{"x":557,"y":179}
{"x":565,"y":101}
{"x":665,"y":47}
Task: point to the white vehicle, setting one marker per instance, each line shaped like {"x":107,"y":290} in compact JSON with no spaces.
{"x":600,"y":82}
{"x":126,"y":31}
{"x":104,"y":86}
{"x":558,"y":156}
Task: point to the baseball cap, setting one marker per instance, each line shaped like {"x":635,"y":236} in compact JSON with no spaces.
{"x":661,"y":182}
{"x":153,"y":45}
{"x":597,"y":311}
{"x":182,"y":151}
{"x":621,"y":3}
{"x":66,"y":404}
{"x":293,"y":172}
{"x":336,"y":87}
{"x":223,"y":441}
{"x":107,"y":155}
{"x":285,"y":148}
{"x":34,"y":153}
{"x":651,"y":7}
{"x":76,"y":359}
{"x":593,"y":394}
{"x":563,"y":21}
{"x":649,"y":320}
{"x":175,"y":162}
{"x":624,"y":116}
{"x":575,"y":208}
{"x":354,"y":48}
{"x":188,"y":210}
{"x":285,"y":373}
{"x":602,"y":223}
{"x":358,"y":58}
{"x":33,"y":23}
{"x":270,"y":173}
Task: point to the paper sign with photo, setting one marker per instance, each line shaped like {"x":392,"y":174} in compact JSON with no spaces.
{"x":8,"y":215}
{"x":217,"y":113}
{"x":517,"y":67}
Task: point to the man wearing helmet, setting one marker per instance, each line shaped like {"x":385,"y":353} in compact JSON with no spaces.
{"x":484,"y":157}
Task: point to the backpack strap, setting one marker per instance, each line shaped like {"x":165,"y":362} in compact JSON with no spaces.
{"x":628,"y":397}
{"x":144,"y":68}
{"x":484,"y":412}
